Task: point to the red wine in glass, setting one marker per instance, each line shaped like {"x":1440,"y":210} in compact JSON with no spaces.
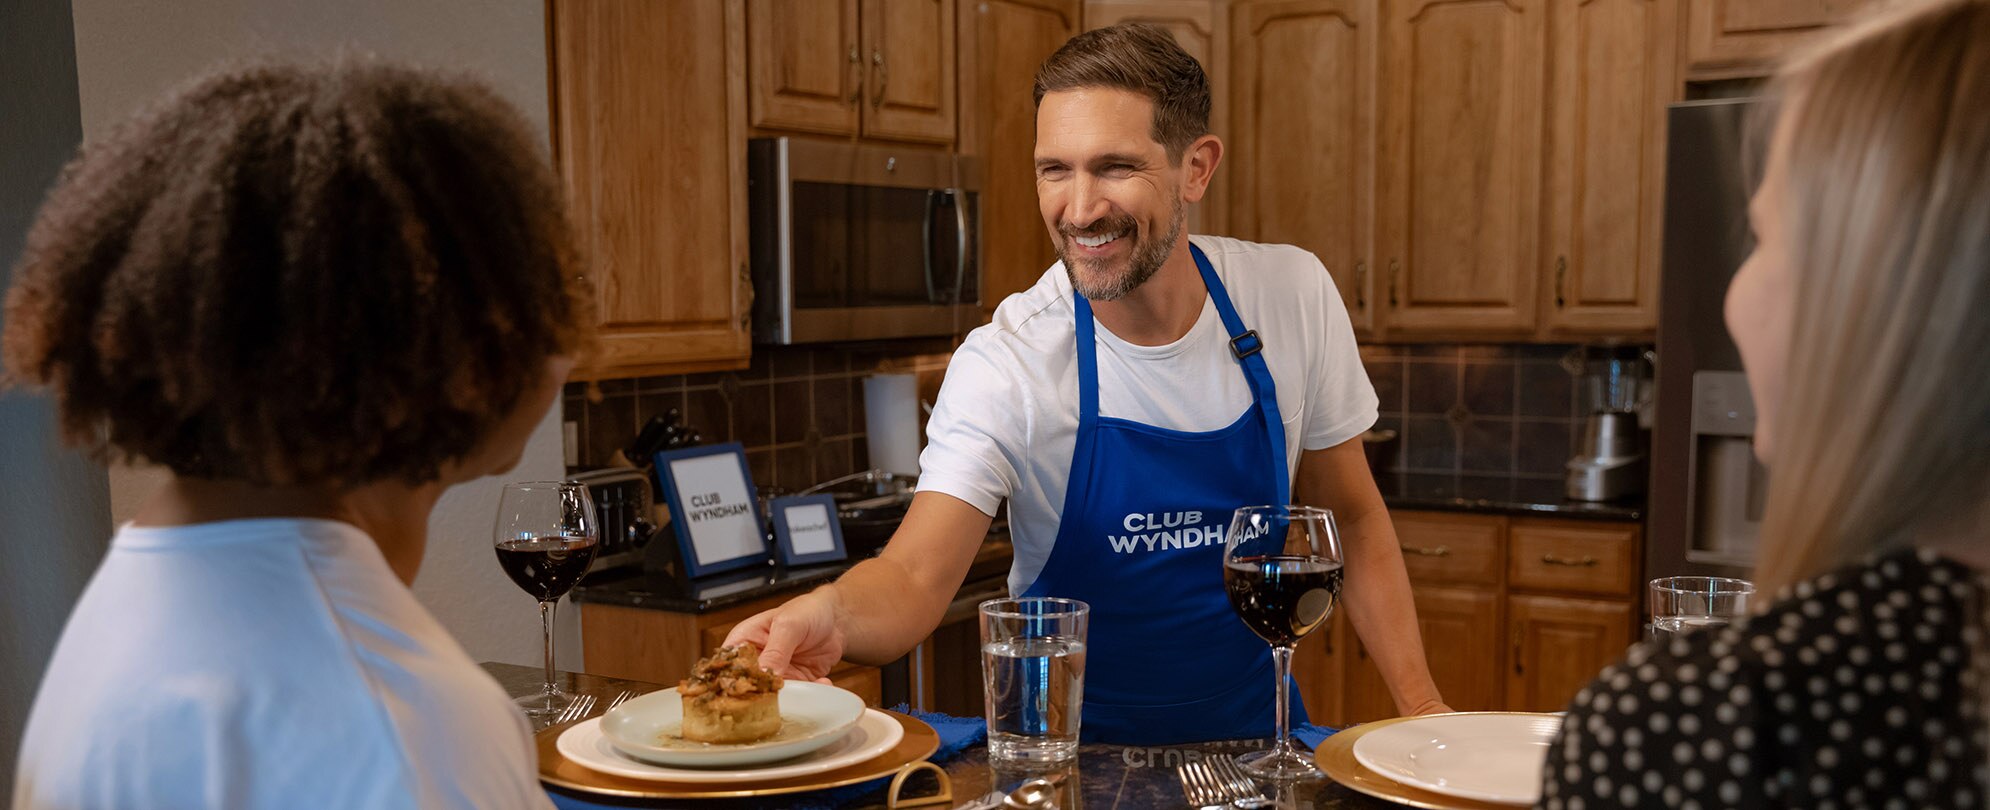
{"x":545,"y":536}
{"x":1282,"y":598}
{"x":547,"y":566}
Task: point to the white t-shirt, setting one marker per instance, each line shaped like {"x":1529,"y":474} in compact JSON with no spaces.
{"x":265,"y":664}
{"x":1007,"y":416}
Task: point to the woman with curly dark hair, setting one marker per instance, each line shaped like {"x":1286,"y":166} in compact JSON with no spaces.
{"x":319,"y":296}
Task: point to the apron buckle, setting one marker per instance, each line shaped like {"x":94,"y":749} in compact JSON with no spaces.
{"x":1246,"y":344}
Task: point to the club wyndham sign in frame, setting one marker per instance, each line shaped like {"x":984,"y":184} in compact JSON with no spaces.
{"x":714,"y":509}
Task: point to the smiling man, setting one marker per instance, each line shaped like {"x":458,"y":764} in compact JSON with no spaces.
{"x":1145,"y":388}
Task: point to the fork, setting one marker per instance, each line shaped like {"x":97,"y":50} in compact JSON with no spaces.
{"x":626,"y":694}
{"x":1239,"y":788}
{"x":1200,"y":786}
{"x":575,"y":710}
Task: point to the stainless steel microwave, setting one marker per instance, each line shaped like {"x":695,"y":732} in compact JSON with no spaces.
{"x":862,"y":242}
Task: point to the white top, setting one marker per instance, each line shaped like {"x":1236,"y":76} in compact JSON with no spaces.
{"x":265,"y":663}
{"x":1007,"y":416}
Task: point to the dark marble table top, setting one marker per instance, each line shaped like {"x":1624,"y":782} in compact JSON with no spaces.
{"x":1104,"y":777}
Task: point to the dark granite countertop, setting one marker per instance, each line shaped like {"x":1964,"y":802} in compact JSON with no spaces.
{"x":1498,"y":494}
{"x":1104,"y":777}
{"x":659,"y":590}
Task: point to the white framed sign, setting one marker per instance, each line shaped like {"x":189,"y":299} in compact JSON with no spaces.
{"x":714,"y":509}
{"x":806,"y":529}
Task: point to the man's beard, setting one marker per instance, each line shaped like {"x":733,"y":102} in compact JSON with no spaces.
{"x":1147,"y":258}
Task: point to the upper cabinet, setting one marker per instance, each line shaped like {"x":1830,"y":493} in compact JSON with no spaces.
{"x":1614,"y":70}
{"x":1001,"y":44}
{"x":1304,"y":72}
{"x":1461,"y":161}
{"x":1729,"y":38}
{"x":881,"y":69}
{"x":1198,"y":28}
{"x":649,"y":134}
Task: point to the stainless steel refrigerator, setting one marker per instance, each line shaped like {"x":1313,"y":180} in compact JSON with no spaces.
{"x":1706,"y":488}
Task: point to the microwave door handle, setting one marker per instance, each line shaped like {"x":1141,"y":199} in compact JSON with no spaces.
{"x":926,"y":244}
{"x":960,"y":242}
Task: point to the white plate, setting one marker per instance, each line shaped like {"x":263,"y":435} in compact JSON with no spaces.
{"x":874,"y":734}
{"x":1492,"y":757}
{"x":814,"y":714}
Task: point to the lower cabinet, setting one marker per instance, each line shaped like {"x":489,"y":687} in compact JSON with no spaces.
{"x":1516,"y":614}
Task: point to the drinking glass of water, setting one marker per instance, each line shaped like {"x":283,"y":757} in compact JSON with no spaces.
{"x":1683,"y":604}
{"x":1033,"y":677}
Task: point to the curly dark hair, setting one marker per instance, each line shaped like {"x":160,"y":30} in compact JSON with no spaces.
{"x":299,"y":274}
{"x":1142,"y":58}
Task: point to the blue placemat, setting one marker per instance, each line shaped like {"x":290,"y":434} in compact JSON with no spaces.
{"x":956,"y":735}
{"x":1312,"y":735}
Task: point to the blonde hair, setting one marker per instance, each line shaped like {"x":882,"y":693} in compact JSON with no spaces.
{"x":1883,"y":431}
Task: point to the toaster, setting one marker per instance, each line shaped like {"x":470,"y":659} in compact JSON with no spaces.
{"x":623,"y":502}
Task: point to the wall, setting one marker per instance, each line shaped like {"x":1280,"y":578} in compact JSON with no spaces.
{"x":54,"y":501}
{"x":1494,"y":410}
{"x":130,"y":51}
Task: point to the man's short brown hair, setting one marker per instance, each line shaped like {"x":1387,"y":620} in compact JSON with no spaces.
{"x":1142,"y":58}
{"x":285,"y":274}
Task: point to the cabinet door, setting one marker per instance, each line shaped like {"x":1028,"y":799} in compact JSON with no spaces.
{"x":1001,"y":44}
{"x":1317,"y":666}
{"x":1746,"y":37}
{"x":1304,"y":72}
{"x":909,"y":48}
{"x":651,"y":143}
{"x":1197,"y":27}
{"x":1558,"y":647}
{"x":1461,"y":143}
{"x":1460,"y":628}
{"x":806,"y":73}
{"x":1614,"y":72}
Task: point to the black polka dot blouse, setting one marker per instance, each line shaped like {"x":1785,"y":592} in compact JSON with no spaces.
{"x":1855,"y":689}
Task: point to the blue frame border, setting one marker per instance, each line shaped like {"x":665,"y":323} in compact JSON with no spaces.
{"x":777,"y":513}
{"x":686,"y":550}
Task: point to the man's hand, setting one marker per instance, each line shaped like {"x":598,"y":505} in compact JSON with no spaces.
{"x":800,"y":640}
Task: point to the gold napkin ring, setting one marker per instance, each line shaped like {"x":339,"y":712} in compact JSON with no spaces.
{"x":945,"y":795}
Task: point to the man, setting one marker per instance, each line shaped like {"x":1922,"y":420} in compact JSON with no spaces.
{"x":1124,"y":407}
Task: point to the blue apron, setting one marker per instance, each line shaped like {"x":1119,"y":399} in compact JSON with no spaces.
{"x":1141,"y":541}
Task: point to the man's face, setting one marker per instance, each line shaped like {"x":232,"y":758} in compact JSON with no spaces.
{"x":1109,"y":194}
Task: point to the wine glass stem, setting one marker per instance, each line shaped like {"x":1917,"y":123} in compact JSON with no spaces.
{"x":1281,"y":658}
{"x":546,"y":626}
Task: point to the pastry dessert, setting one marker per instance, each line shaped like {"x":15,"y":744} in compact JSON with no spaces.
{"x":730,"y":699}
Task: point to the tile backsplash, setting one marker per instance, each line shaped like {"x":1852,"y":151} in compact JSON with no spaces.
{"x":798,"y":410}
{"x":1497,"y":409}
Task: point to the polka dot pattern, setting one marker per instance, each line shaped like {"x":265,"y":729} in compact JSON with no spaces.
{"x":1855,"y":689}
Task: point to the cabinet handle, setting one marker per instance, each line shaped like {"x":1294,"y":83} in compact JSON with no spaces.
{"x":1361,"y":285}
{"x":745,"y":286}
{"x":857,"y":71}
{"x":1440,"y":551}
{"x":1395,"y":269}
{"x":1586,"y":561}
{"x":1519,"y":668}
{"x":877,"y":62}
{"x":1561,"y":280}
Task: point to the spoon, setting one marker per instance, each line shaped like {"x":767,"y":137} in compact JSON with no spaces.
{"x":1035,"y":794}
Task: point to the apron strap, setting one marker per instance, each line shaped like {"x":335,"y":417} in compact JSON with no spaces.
{"x":1245,"y":345}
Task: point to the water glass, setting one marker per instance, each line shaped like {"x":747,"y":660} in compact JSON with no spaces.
{"x":1033,"y":677}
{"x":1683,"y":604}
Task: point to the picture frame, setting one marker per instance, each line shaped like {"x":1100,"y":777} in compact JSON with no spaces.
{"x":807,"y":530}
{"x":714,"y":508}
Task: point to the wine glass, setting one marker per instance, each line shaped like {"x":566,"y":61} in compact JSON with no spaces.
{"x":1282,"y":568}
{"x":546,"y":536}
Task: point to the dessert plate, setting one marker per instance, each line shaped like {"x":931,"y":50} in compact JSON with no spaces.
{"x":1490,"y":757}
{"x":874,"y":734}
{"x":812,"y":715}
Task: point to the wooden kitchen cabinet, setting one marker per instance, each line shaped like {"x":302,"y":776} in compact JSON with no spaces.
{"x":1737,"y":38}
{"x":1002,"y":42}
{"x":649,"y":135}
{"x":1614,"y":70}
{"x":661,"y":646}
{"x":1559,"y":644}
{"x":880,"y":69}
{"x":1198,"y":28}
{"x":1317,"y":666}
{"x":1304,"y":72}
{"x":1462,"y":127}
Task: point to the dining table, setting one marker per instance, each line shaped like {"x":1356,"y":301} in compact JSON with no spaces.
{"x":1103,"y":776}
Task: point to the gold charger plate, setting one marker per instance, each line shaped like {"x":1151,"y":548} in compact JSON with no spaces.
{"x":1336,"y":757}
{"x":920,"y":742}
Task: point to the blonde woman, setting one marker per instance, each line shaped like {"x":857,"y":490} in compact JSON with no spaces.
{"x":1863,"y":320}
